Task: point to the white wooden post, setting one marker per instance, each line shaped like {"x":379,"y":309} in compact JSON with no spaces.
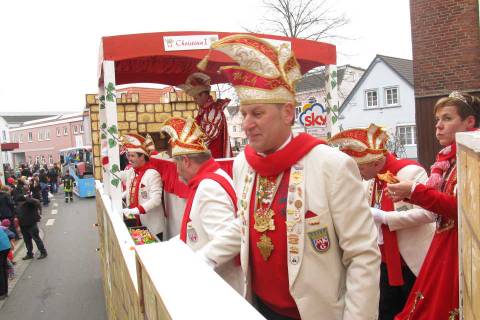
{"x":331,"y":99}
{"x":102,"y":123}
{"x":110,"y":130}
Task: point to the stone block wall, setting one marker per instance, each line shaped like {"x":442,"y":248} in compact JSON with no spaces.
{"x":138,"y":117}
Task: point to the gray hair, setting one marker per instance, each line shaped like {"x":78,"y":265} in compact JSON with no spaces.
{"x":198,"y":158}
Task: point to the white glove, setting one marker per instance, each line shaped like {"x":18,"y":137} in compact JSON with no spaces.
{"x":130,"y":213}
{"x":379,"y":216}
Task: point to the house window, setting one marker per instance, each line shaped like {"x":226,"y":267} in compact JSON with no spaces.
{"x":50,"y":159}
{"x":4,"y":135}
{"x":30,"y":136}
{"x":407,"y":135}
{"x":20,"y":137}
{"x":75,"y":129}
{"x":372,"y":98}
{"x":40,"y":135}
{"x":58,"y":132}
{"x":37,"y":159}
{"x":391,"y":96}
{"x":65,"y":131}
{"x":47,"y":134}
{"x":245,"y":141}
{"x":81,"y":128}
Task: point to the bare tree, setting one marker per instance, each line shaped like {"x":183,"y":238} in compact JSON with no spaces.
{"x":306,"y":19}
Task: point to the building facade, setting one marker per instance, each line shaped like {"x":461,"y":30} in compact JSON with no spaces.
{"x":40,"y":140}
{"x":385,"y":96}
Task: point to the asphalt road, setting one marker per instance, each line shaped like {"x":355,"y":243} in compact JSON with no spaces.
{"x":67,"y":284}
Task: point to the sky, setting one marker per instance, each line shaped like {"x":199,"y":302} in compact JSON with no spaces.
{"x":49,"y":49}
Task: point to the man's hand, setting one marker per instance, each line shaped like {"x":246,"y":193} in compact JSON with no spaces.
{"x":130,"y":213}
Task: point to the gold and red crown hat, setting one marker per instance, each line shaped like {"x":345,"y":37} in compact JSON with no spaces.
{"x":186,"y":137}
{"x":364,"y":145}
{"x":265,"y":73}
{"x":196,"y":83}
{"x":134,"y":142}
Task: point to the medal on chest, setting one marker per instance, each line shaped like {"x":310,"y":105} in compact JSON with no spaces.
{"x":263,"y":215}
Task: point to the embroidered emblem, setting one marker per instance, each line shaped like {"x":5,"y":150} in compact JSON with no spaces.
{"x":297,"y":177}
{"x":293,"y":249}
{"x":292,"y":238}
{"x":320,"y":240}
{"x":144,"y":194}
{"x":294,"y":259}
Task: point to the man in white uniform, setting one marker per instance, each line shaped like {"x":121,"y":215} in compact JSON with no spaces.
{"x":405,"y":231}
{"x":143,"y":185}
{"x":211,"y":202}
{"x":308,"y":241}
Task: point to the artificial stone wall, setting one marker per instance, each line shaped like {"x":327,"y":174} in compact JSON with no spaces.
{"x":142,"y":118}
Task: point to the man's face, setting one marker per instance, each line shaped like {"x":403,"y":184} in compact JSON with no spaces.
{"x":449,"y":122}
{"x":201,"y":98}
{"x":135,"y":159}
{"x":267,"y":126}
{"x":370,"y":170}
{"x":183,"y":167}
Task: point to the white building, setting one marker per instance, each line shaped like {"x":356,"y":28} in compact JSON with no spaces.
{"x":238,"y":139}
{"x":385,"y":96}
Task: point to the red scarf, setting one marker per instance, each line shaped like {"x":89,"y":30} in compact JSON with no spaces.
{"x":205,"y":170}
{"x":445,"y":158}
{"x":390,"y":251}
{"x":135,"y":186}
{"x":283,"y":159}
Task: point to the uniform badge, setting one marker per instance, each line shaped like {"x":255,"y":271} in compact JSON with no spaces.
{"x":294,"y":259}
{"x":293,"y":249}
{"x":192,"y":234}
{"x":292,"y":238}
{"x":144,"y":194}
{"x":297,"y":177}
{"x":320,"y":240}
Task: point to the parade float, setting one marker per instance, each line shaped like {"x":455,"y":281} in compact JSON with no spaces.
{"x":468,"y":175}
{"x":154,"y":280}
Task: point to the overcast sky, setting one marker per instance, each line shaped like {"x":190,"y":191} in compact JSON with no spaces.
{"x":49,"y":48}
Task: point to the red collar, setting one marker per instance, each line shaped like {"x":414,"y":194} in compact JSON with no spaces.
{"x":279,"y":161}
{"x":207,"y":167}
{"x":142,"y":168}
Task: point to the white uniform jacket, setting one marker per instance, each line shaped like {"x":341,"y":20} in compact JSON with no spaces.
{"x":415,"y":226}
{"x":343,"y":281}
{"x":211,"y":213}
{"x":149,"y":197}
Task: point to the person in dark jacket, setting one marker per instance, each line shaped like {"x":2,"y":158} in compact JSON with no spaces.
{"x":35,"y":189}
{"x":53,"y":179}
{"x":7,"y":207}
{"x":44,"y":186}
{"x":29,"y":212}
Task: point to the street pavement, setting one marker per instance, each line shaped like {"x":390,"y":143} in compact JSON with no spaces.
{"x":67,"y":284}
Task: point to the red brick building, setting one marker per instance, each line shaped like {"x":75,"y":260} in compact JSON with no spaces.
{"x":446,"y":57}
{"x":40,"y":140}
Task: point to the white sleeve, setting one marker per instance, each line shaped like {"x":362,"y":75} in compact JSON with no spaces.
{"x":217,"y":215}
{"x":407,"y":215}
{"x":357,"y":237}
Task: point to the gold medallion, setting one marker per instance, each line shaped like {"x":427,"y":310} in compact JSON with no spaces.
{"x":265,"y":246}
{"x":263,"y":220}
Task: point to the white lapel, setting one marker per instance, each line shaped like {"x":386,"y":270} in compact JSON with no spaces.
{"x":295,"y":219}
{"x":244,"y":215}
